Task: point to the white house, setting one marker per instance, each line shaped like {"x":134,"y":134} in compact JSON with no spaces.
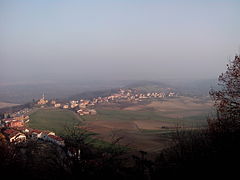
{"x":14,"y":136}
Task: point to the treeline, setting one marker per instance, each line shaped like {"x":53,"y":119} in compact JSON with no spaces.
{"x":201,"y":152}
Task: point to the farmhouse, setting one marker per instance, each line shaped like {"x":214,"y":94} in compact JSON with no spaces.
{"x":58,"y":105}
{"x":35,"y":133}
{"x":14,"y":136}
{"x":38,"y":134}
{"x":83,"y":112}
{"x":171,"y":94}
{"x":66,"y":106}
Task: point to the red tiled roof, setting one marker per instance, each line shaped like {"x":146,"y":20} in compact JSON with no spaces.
{"x":20,"y":128}
{"x":18,"y":121}
{"x":40,"y":131}
{"x":10,"y":132}
{"x":8,"y":119}
{"x":36,"y":131}
{"x":57,"y":138}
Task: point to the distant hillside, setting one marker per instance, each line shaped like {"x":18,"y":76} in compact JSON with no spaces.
{"x":148,"y":86}
{"x":183,"y":87}
{"x":93,"y":94}
{"x":6,"y":105}
{"x":197,"y":87}
{"x":145,"y":83}
{"x":141,"y":86}
{"x":23,"y":93}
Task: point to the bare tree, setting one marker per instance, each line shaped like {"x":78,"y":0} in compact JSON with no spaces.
{"x":227,"y":99}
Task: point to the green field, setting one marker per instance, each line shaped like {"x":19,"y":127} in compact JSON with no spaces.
{"x":53,"y":119}
{"x":147,"y":127}
{"x":129,"y":116}
{"x":57,"y":119}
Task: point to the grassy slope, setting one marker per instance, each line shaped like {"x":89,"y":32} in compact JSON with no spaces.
{"x":53,"y":119}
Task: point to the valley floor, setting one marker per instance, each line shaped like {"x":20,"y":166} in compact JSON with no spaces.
{"x":147,"y":126}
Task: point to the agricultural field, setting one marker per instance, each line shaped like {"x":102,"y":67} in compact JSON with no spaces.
{"x":53,"y":119}
{"x":149,"y":126}
{"x":144,"y":126}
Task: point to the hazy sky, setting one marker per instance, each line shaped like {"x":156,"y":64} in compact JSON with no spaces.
{"x":117,"y":39}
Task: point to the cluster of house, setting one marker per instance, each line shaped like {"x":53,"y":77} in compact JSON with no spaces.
{"x":82,"y":107}
{"x":85,"y":107}
{"x":14,"y":130}
{"x":82,"y":112}
{"x":14,"y":121}
{"x":133,"y":95}
{"x":21,"y":134}
{"x":129,"y":95}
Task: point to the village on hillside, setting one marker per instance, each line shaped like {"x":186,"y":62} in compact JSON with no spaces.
{"x":86,"y":106}
{"x":13,"y":126}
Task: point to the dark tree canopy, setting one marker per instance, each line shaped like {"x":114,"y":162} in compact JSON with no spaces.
{"x":227,"y":98}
